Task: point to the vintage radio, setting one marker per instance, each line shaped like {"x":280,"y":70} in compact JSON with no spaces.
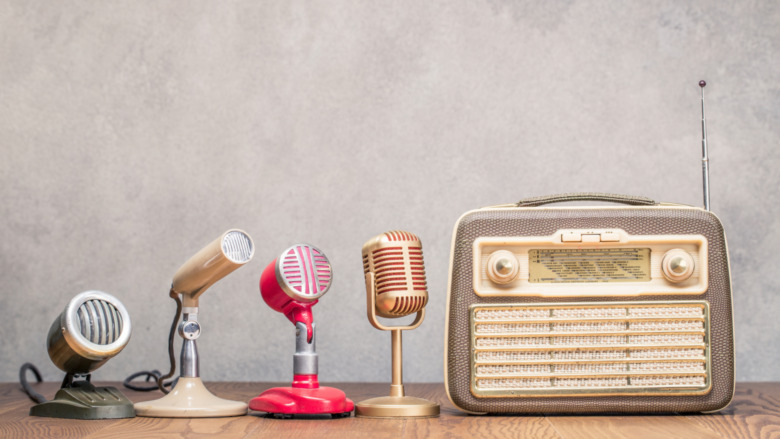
{"x":585,"y":309}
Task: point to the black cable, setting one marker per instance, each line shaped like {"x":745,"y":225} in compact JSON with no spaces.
{"x":150,"y":375}
{"x":35,"y":396}
{"x":161,"y":384}
{"x":171,"y":356}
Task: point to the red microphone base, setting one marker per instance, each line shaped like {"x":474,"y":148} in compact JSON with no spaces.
{"x":304,"y":398}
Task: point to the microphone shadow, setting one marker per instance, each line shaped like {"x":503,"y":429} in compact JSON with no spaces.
{"x":298,"y":417}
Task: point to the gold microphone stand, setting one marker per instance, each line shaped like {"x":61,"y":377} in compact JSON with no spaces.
{"x":397,"y":405}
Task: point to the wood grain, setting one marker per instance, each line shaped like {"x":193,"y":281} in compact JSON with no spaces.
{"x":754,"y":413}
{"x":661,"y":427}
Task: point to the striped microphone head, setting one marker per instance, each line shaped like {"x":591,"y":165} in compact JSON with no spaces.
{"x":94,"y":327}
{"x":303,"y":272}
{"x":395,"y":258}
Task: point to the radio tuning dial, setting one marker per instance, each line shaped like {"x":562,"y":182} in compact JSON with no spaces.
{"x":502,"y":267}
{"x":677,"y":265}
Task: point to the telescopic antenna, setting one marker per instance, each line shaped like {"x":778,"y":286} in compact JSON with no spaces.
{"x":705,"y":159}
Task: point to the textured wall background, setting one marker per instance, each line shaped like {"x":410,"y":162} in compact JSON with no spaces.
{"x":134,"y":133}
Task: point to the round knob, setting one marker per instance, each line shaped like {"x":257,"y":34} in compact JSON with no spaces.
{"x":502,"y":267}
{"x":677,"y":265}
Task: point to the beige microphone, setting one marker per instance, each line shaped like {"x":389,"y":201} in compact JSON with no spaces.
{"x":395,"y":287}
{"x":190,"y":398}
{"x":231,"y":250}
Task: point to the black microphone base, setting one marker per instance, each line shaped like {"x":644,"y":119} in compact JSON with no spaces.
{"x":85,"y":401}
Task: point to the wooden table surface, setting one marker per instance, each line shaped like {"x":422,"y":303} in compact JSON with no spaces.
{"x":755,"y":412}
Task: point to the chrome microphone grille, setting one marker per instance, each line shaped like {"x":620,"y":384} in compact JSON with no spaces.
{"x":94,"y":327}
{"x":304,"y":271}
{"x":99,"y":321}
{"x":237,"y":246}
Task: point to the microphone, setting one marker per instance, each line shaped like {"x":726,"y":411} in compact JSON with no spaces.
{"x":395,"y":287}
{"x":292,"y":284}
{"x":189,"y":397}
{"x":395,"y":261}
{"x":231,"y":250}
{"x":93,"y":328}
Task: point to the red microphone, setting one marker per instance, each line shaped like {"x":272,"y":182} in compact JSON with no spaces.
{"x":292,"y":284}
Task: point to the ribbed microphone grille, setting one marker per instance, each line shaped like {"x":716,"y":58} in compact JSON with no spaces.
{"x":406,"y":305}
{"x":237,"y":246}
{"x":391,"y":272}
{"x":99,"y":321}
{"x":306,"y":270}
{"x":400,"y":235}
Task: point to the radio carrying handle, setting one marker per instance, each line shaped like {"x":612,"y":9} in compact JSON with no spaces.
{"x":586,"y":196}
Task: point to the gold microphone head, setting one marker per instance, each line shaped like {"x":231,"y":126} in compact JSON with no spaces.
{"x":396,"y":261}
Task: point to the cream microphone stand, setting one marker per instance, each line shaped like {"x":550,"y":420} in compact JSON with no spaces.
{"x":190,"y":398}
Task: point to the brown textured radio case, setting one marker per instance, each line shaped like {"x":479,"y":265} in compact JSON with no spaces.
{"x":566,"y":352}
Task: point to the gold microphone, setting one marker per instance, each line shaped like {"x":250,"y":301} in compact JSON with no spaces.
{"x":395,"y":287}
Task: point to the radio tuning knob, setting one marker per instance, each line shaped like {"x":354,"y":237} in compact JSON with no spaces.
{"x":502,"y":267}
{"x":677,"y":265}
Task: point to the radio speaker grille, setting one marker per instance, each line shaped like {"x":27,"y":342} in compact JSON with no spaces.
{"x":657,"y":348}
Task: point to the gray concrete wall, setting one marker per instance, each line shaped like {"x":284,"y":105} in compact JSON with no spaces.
{"x":134,"y":133}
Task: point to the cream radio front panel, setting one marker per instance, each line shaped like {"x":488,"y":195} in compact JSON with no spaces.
{"x":576,"y":349}
{"x":590,"y":262}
